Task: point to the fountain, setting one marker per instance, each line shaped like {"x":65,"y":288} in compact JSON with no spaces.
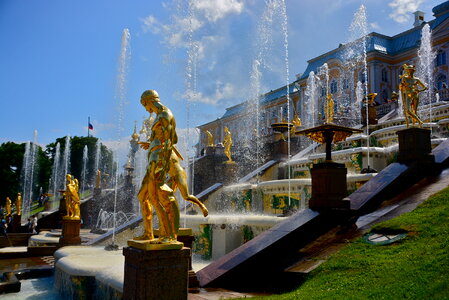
{"x":28,"y":174}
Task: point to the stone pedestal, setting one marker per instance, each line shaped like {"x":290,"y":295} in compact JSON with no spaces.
{"x":372,"y":115}
{"x":70,"y":232}
{"x":156,"y":274}
{"x":328,"y":186}
{"x":414,"y":145}
{"x":16,"y":224}
{"x":280,"y":150}
{"x":230,"y":170}
{"x":185,"y":236}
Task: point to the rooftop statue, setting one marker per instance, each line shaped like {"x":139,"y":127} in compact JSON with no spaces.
{"x":72,"y":198}
{"x":227,"y":143}
{"x":8,"y":206}
{"x":410,"y":88}
{"x":210,"y":139}
{"x":157,"y":191}
{"x":19,"y":204}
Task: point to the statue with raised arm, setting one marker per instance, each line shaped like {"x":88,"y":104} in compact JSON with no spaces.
{"x":8,"y":207}
{"x":19,"y":204}
{"x":210,"y":139}
{"x":155,"y":192}
{"x":227,"y":143}
{"x":410,"y":88}
{"x":72,"y":198}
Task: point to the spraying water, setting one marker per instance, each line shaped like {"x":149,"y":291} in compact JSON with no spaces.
{"x":426,"y":57}
{"x":66,"y":160}
{"x":28,"y":172}
{"x":55,"y":174}
{"x":84,"y":169}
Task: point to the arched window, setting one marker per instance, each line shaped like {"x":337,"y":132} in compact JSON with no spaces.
{"x":441,"y":58}
{"x":334,"y":86}
{"x":384,"y":75}
{"x":385,"y":96}
{"x":362,"y":77}
{"x":345,"y":83}
{"x":441,"y":82}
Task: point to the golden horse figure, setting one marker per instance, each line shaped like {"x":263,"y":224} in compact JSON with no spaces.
{"x":410,"y":89}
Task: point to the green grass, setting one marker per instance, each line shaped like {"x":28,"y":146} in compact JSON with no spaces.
{"x":416,"y":267}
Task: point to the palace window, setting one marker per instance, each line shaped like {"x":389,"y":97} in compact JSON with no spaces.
{"x":441,"y":82}
{"x":441,"y":58}
{"x":334,"y":86}
{"x":345,"y":83}
{"x":384,"y":75}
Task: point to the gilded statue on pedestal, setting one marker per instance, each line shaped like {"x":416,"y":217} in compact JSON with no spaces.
{"x":227,"y":143}
{"x":19,"y":204}
{"x":210,"y":139}
{"x":8,"y":207}
{"x":72,"y":198}
{"x":157,"y":190}
{"x":98,"y":179}
{"x":410,"y":88}
{"x":329,"y":108}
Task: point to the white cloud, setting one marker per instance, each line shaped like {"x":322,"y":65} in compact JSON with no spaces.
{"x":374,"y":26}
{"x":222,"y":91}
{"x":214,"y":10}
{"x":402,"y":9}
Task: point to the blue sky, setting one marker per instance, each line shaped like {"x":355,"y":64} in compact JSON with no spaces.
{"x":59,"y":59}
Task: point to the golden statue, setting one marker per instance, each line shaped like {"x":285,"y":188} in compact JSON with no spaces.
{"x":410,"y":90}
{"x":210,"y":139}
{"x":227,"y":143}
{"x":98,"y":179}
{"x":19,"y":204}
{"x":154,"y":192}
{"x":72,"y":198}
{"x":296,"y":121}
{"x":329,"y":109}
{"x":8,"y":207}
{"x":178,"y":179}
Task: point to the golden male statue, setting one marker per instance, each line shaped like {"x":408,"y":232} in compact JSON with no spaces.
{"x":227,"y":143}
{"x":8,"y":206}
{"x":410,"y":89}
{"x":72,"y":198}
{"x":154,"y":192}
{"x":210,"y":139}
{"x":19,"y":204}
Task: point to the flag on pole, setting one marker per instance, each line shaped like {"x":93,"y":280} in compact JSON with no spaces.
{"x":91,"y":127}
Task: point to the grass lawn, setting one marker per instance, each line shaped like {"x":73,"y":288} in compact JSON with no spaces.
{"x":416,"y":267}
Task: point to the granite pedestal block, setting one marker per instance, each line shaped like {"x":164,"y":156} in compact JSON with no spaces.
{"x":16,"y":223}
{"x":70,"y":232}
{"x":328,"y":186}
{"x":230,"y":170}
{"x":414,"y":144}
{"x":156,"y":274}
{"x":280,"y":150}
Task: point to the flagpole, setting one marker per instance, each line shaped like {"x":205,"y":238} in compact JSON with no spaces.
{"x":88,"y":128}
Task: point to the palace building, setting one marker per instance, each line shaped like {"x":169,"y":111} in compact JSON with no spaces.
{"x":385,"y":56}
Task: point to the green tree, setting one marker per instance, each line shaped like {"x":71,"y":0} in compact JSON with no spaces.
{"x":11,"y":159}
{"x":76,"y":156}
